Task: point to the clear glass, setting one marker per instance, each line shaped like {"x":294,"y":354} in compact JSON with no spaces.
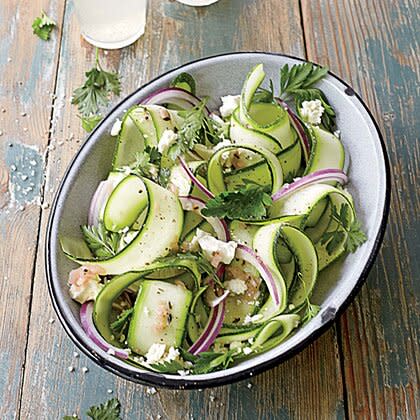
{"x":111,"y":24}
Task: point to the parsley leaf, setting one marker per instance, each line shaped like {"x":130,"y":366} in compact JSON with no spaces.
{"x":123,"y":318}
{"x":89,"y":123}
{"x":106,"y":411}
{"x":167,"y":367}
{"x":102,"y":243}
{"x":247,"y":202}
{"x":43,"y":26}
{"x":355,"y":236}
{"x":300,"y":76}
{"x":208,"y":361}
{"x":264,"y":95}
{"x":349,"y":234}
{"x":147,"y":163}
{"x":95,"y":92}
{"x":311,"y":310}
{"x":298,"y":81}
{"x":184,"y":81}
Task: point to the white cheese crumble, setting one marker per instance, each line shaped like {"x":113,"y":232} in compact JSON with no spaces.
{"x":179,"y":182}
{"x":169,"y":137}
{"x":116,"y":128}
{"x":311,"y":111}
{"x":250,"y":319}
{"x":222,"y":144}
{"x":155,"y":353}
{"x":229,"y":104}
{"x":86,"y":290}
{"x":247,"y":350}
{"x":214,"y":250}
{"x":236,"y":286}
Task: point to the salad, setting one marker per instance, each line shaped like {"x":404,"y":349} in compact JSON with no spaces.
{"x":205,"y":242}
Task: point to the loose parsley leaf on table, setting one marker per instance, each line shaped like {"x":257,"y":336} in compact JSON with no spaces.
{"x":348,"y":231}
{"x":298,"y":81}
{"x":110,"y":410}
{"x":95,"y":92}
{"x":43,"y":26}
{"x":102,"y":243}
{"x":106,"y":411}
{"x":247,"y":202}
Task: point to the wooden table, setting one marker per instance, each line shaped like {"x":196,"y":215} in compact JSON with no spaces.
{"x":368,"y":365}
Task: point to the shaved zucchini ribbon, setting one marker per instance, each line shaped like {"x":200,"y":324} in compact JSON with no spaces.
{"x":215,"y":174}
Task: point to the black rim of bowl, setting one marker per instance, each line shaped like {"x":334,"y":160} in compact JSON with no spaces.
{"x":149,"y":378}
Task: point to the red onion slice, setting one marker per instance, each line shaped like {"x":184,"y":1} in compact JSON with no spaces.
{"x":247,"y":254}
{"x":211,"y":330}
{"x":99,"y":199}
{"x":297,"y":125}
{"x":194,"y":179}
{"x":323,"y":175}
{"x":190,"y":203}
{"x":175,"y":96}
{"x":86,"y":312}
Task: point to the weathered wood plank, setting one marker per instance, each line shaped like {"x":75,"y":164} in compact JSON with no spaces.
{"x":27,"y":68}
{"x":308,"y":384}
{"x":375,"y":46}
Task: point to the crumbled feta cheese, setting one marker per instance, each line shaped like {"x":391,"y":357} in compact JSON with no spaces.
{"x":222,"y":144}
{"x":151,"y":390}
{"x":84,"y":284}
{"x":85,"y":369}
{"x":236,"y":286}
{"x":75,"y":354}
{"x":249,"y":385}
{"x":183,"y":372}
{"x":51,"y":320}
{"x":110,"y":391}
{"x":311,"y":111}
{"x":229,"y":104}
{"x":169,"y":137}
{"x":179,"y":182}
{"x":116,"y":128}
{"x":247,"y":350}
{"x":155,"y":353}
{"x":173,"y":354}
{"x":214,"y":250}
{"x":250,"y":319}
{"x":111,"y":352}
{"x":235,"y":345}
{"x":71,"y":368}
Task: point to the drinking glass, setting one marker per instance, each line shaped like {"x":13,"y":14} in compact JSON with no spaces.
{"x":111,"y":24}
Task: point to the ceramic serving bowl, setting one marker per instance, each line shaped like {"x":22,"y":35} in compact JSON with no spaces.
{"x":216,"y":77}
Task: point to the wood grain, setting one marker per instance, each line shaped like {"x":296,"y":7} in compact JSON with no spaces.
{"x":27,"y":68}
{"x":375,"y":46}
{"x":175,"y":34}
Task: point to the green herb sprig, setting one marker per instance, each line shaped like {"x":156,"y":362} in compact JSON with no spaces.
{"x":298,"y":83}
{"x":111,"y":410}
{"x":96,"y":90}
{"x":248,"y":202}
{"x":346,"y":231}
{"x":43,"y":26}
{"x":102,"y":243}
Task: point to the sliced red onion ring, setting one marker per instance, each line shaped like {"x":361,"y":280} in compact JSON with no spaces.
{"x":191,"y":203}
{"x":247,"y":254}
{"x":98,"y":201}
{"x":297,"y":125}
{"x":195,"y":180}
{"x":211,"y":330}
{"x":322,"y":175}
{"x":86,"y":312}
{"x":175,"y":96}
